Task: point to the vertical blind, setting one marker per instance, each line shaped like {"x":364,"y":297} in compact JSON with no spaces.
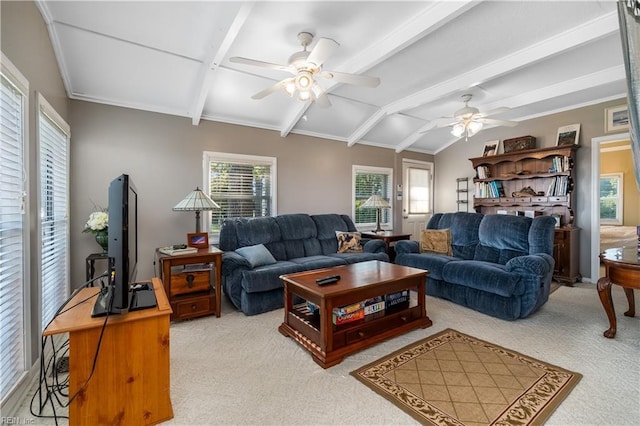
{"x":241,"y":189}
{"x":367,"y":182}
{"x":54,"y":256}
{"x":12,"y":233}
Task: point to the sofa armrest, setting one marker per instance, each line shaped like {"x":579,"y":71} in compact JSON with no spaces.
{"x":231,"y":261}
{"x":538,"y":264}
{"x":375,"y":246}
{"x":407,"y":246}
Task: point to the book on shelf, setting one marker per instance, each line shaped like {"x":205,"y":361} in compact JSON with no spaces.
{"x":173,"y":252}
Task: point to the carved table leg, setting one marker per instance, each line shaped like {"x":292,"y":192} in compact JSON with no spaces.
{"x":632,"y":303}
{"x":604,"y":291}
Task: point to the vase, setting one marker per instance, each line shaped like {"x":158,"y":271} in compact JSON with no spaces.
{"x":102,"y":238}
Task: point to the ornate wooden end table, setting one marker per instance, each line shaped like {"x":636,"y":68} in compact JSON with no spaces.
{"x":329,"y":343}
{"x":622,"y":267}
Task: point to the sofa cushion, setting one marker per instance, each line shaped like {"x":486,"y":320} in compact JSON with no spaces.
{"x":436,"y":241}
{"x":267,"y":277}
{"x":260,"y":230}
{"x":434,"y":263}
{"x":299,"y":235}
{"x":327,"y":225}
{"x":361,"y":257}
{"x":349,"y":242}
{"x":485,"y":276}
{"x":318,"y":262}
{"x":464,"y":231}
{"x":257,"y":255}
{"x":502,"y":237}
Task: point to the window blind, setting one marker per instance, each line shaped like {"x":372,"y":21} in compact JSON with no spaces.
{"x":369,"y":181}
{"x":54,"y":255}
{"x":419,"y":184}
{"x":12,"y":235}
{"x":241,"y":187}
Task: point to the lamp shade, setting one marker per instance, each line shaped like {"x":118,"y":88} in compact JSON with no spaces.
{"x":376,"y":202}
{"x":196,"y":201}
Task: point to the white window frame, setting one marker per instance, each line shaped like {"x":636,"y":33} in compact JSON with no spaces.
{"x":358,"y":169}
{"x":221,"y":157}
{"x":10,"y":397}
{"x":54,"y":280}
{"x":619,"y":219}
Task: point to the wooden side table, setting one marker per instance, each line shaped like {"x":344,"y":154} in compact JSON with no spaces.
{"x":388,"y":237}
{"x":189,"y":290}
{"x":622,"y":267}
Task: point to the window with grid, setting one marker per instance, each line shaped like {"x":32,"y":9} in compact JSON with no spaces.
{"x":242,"y":185}
{"x":368,"y":181}
{"x":13,"y":227}
{"x":53,"y":141}
{"x":611,"y":198}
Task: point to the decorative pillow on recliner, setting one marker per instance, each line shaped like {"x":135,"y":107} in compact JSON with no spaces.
{"x":436,"y":241}
{"x":257,"y":255}
{"x":349,"y":242}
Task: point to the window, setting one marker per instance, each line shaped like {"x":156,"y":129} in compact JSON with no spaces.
{"x":13,"y":227}
{"x":611,"y":200}
{"x":242,"y":185}
{"x":53,"y":141}
{"x":366,"y":182}
{"x":419,"y":184}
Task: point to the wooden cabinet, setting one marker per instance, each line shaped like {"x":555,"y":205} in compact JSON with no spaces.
{"x":187,"y":280}
{"x":534,"y":182}
{"x":118,"y":367}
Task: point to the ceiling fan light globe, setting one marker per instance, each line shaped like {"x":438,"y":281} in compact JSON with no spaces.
{"x":290,"y":88}
{"x":304,"y":95}
{"x":304,"y":80}
{"x":458,"y":130}
{"x":475,"y":127}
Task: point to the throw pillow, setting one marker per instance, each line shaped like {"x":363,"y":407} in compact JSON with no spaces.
{"x":436,"y":241}
{"x":257,"y":255}
{"x":348,"y":242}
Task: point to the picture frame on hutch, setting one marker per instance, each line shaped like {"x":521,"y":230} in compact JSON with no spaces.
{"x":568,"y":135}
{"x":491,"y":148}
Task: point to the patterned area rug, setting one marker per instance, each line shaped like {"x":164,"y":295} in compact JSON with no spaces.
{"x":451,"y":378}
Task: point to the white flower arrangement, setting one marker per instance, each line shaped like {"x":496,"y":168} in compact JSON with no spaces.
{"x":98,"y":222}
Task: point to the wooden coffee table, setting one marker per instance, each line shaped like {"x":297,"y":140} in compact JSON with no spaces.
{"x":328,"y":343}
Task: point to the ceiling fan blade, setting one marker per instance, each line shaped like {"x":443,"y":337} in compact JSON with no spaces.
{"x":496,"y":122}
{"x":360,"y":80}
{"x":269,"y":90}
{"x":323,"y":49}
{"x":493,"y":112}
{"x":323,"y":100}
{"x":262,"y":64}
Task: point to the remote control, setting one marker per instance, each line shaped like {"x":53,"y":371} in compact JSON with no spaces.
{"x":328,"y":280}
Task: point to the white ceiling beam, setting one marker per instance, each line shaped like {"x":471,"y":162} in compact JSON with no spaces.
{"x":573,"y":37}
{"x":428,"y":20}
{"x":213,"y":59}
{"x":57,"y":48}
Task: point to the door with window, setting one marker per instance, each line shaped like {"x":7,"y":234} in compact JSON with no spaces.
{"x":417,"y":196}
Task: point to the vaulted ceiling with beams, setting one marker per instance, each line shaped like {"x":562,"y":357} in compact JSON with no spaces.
{"x":533,"y":58}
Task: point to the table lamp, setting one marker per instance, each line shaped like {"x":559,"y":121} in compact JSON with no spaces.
{"x":378,"y":203}
{"x":196,"y":201}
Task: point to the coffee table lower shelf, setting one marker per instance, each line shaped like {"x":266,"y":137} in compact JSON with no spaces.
{"x":350,"y":339}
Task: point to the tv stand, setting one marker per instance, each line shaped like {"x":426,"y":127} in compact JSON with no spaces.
{"x":130,"y":384}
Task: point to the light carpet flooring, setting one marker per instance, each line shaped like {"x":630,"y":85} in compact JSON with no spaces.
{"x":240,"y":370}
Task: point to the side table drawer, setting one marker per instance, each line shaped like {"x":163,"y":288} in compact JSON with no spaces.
{"x":190,"y":282}
{"x":192,"y":306}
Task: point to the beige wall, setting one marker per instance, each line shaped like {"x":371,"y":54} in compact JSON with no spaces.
{"x":163,"y":155}
{"x":453,"y":162}
{"x":621,"y":161}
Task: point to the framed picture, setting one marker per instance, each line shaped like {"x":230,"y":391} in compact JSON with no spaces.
{"x":490,"y":148}
{"x":616,"y":119}
{"x":568,"y":135}
{"x":198,"y":240}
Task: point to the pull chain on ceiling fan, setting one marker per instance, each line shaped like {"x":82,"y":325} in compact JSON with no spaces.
{"x":305,"y":67}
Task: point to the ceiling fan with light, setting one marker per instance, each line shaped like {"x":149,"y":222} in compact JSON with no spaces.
{"x":306,"y":66}
{"x":468,"y":120}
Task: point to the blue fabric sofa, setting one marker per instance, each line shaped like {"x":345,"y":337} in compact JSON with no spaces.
{"x":297,"y":242}
{"x":500,"y":265}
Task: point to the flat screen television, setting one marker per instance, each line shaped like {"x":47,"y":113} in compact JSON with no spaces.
{"x":123,"y":247}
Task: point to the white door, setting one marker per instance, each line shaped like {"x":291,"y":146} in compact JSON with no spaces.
{"x":417,"y":196}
